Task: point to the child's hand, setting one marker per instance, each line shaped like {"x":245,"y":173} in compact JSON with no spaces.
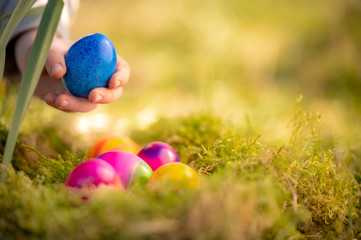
{"x":50,"y":87}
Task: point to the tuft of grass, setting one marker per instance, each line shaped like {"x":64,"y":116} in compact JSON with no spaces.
{"x":20,"y":161}
{"x":37,"y":57}
{"x":248,"y":190}
{"x":306,"y":165}
{"x":56,"y":169}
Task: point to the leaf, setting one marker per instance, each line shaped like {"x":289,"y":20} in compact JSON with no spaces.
{"x":20,"y":10}
{"x":32,"y":12}
{"x":2,"y":53}
{"x":31,"y":76}
{"x":5,"y":34}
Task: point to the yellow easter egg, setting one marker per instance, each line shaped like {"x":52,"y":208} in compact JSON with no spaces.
{"x":175,"y":174}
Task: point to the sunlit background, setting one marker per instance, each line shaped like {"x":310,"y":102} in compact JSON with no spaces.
{"x":245,"y":61}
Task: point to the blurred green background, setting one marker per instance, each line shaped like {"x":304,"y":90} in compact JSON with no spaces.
{"x":246,"y":61}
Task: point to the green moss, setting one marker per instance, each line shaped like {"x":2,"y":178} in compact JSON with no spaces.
{"x":20,"y":160}
{"x":249,"y":190}
{"x":56,"y":170}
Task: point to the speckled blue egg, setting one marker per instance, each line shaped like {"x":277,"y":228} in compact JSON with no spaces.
{"x":90,"y":62}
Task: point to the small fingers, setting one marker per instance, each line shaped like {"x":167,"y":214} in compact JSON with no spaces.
{"x":105,"y":95}
{"x":116,"y":82}
{"x":69,"y":103}
{"x":121,"y":75}
{"x":55,"y":63}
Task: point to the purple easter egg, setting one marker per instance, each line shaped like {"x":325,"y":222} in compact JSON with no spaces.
{"x":157,"y":154}
{"x":91,"y":172}
{"x":129,"y":167}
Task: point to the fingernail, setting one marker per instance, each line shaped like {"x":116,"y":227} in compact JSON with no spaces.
{"x":98,"y":98}
{"x":119,"y":84}
{"x":64,"y":104}
{"x":56,"y":68}
{"x":50,"y":98}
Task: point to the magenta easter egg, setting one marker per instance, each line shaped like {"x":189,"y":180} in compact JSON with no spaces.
{"x":157,"y":154}
{"x":92,"y":172}
{"x":129,"y":167}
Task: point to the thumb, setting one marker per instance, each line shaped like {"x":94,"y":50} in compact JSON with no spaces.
{"x":55,"y":63}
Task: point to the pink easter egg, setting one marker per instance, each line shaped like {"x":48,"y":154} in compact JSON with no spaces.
{"x":129,"y":167}
{"x":157,"y":154}
{"x":92,"y":172}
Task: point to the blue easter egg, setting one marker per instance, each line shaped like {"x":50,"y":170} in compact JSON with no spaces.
{"x":90,"y":62}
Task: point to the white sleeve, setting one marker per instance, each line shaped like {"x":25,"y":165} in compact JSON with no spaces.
{"x":67,"y":17}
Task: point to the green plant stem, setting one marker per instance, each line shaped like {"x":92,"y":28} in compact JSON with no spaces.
{"x":32,"y":12}
{"x":20,"y":10}
{"x":2,"y":53}
{"x":32,"y":73}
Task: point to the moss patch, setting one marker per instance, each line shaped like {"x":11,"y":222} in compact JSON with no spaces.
{"x":249,"y":190}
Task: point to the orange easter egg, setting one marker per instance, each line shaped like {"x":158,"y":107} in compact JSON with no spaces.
{"x":112,"y":143}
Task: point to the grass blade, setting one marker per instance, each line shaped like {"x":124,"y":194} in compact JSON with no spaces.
{"x":2,"y":53}
{"x":1,"y":26}
{"x":32,"y":73}
{"x":20,"y":10}
{"x":32,"y":12}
